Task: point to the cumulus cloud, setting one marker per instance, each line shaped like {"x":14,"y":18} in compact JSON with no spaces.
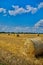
{"x":39,"y":24}
{"x":37,"y":28}
{"x":14,"y":29}
{"x":31,"y":9}
{"x":22,"y":29}
{"x":16,"y":9}
{"x":3,"y":28}
{"x":28,"y":8}
{"x":19,"y":10}
{"x":34,"y":10}
{"x":2,"y":10}
{"x":40,"y":5}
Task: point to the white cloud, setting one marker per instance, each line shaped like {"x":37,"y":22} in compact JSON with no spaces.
{"x":28,"y":8}
{"x":2,"y":10}
{"x":31,"y":9}
{"x":19,"y":10}
{"x":14,"y":29}
{"x":16,"y":9}
{"x":34,"y":10}
{"x":3,"y":28}
{"x":22,"y":29}
{"x":39,"y":24}
{"x":38,"y":27}
{"x":40,"y":5}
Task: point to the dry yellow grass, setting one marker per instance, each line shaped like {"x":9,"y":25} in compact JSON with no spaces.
{"x":13,"y":46}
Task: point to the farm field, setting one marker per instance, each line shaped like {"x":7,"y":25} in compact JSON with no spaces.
{"x":14,"y":49}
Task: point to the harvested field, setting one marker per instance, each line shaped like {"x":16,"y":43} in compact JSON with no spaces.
{"x":21,"y":50}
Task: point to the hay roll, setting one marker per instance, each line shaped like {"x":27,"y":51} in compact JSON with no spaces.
{"x":29,"y":48}
{"x":38,"y":45}
{"x":34,"y":46}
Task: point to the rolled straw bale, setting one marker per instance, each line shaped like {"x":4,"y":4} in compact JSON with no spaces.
{"x":29,"y":48}
{"x":34,"y":46}
{"x":38,"y":45}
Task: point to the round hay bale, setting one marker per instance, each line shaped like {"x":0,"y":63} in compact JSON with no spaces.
{"x":38,"y":45}
{"x":29,"y":48}
{"x":33,"y":46}
{"x":37,"y":34}
{"x":17,"y":35}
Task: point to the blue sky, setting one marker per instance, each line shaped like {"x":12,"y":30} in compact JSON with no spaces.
{"x":22,"y":13}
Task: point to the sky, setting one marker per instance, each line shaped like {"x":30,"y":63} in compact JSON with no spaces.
{"x":20,"y":15}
